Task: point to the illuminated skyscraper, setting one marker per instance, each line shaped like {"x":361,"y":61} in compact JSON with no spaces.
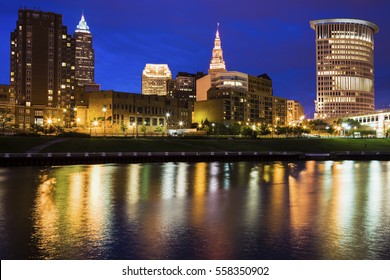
{"x":344,"y":66}
{"x":217,"y":64}
{"x":42,"y":60}
{"x":155,"y":79}
{"x":84,"y":64}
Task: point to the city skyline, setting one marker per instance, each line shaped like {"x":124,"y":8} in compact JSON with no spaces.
{"x":272,"y":38}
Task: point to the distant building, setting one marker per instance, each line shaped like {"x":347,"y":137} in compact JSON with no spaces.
{"x":345,"y":66}
{"x":155,"y":79}
{"x":81,"y":93}
{"x":295,"y":111}
{"x":84,"y":54}
{"x":183,"y":87}
{"x":230,"y":96}
{"x":234,"y":105}
{"x":135,"y":112}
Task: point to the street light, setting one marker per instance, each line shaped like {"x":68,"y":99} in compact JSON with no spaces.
{"x":104,"y":125}
{"x":167,"y":115}
{"x":95,"y":123}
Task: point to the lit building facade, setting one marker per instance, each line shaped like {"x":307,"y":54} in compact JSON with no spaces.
{"x":155,"y":78}
{"x":295,"y":111}
{"x":344,"y":66}
{"x":230,"y":105}
{"x":183,"y":87}
{"x":84,"y":54}
{"x":135,"y":112}
{"x":42,"y":60}
{"x":42,"y":69}
{"x":378,"y":121}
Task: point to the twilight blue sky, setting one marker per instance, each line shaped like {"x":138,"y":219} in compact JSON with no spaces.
{"x":272,"y":37}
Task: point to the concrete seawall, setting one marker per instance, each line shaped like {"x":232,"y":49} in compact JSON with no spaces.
{"x":44,"y":159}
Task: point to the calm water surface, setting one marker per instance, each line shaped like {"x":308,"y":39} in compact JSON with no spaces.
{"x":244,"y":210}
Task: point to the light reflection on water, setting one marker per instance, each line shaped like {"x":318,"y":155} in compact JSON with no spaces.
{"x":244,"y":210}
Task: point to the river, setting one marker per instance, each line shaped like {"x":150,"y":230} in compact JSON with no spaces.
{"x":215,"y":210}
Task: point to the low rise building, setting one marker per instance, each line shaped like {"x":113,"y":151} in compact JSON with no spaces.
{"x":232,"y":105}
{"x":378,"y":121}
{"x":295,"y":111}
{"x":118,"y":112}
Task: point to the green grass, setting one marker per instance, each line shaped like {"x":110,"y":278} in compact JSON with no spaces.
{"x":13,"y":144}
{"x":321,"y":145}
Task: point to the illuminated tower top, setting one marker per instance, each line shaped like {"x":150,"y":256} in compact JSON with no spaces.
{"x":82,"y":26}
{"x":217,"y":64}
{"x":84,"y":53}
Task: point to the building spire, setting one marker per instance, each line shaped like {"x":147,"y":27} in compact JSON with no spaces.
{"x":82,"y":26}
{"x":217,"y":64}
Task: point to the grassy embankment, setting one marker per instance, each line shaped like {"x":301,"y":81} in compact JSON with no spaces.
{"x":23,"y":144}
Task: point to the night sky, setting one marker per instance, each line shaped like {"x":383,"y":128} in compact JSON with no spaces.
{"x":272,"y":37}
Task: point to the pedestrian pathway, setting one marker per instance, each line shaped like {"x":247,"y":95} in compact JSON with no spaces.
{"x":39,"y":148}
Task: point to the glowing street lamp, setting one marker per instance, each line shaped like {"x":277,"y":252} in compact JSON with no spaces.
{"x":104,"y":109}
{"x":95,"y":123}
{"x":167,"y":115}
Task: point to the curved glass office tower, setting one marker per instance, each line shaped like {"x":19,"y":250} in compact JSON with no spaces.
{"x":345,"y":66}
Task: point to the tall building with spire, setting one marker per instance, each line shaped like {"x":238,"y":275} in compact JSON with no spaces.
{"x":84,"y":53}
{"x":217,"y":64}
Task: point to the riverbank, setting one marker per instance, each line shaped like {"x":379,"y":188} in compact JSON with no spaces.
{"x":54,"y":151}
{"x":90,"y":145}
{"x":44,"y":159}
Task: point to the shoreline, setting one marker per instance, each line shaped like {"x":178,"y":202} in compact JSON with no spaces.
{"x":44,"y":159}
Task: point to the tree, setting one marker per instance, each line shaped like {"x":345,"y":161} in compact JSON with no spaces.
{"x":248,"y":131}
{"x":5,"y":119}
{"x":159,"y":129}
{"x":123,"y":127}
{"x":264,"y":129}
{"x":143,"y":129}
{"x":234,"y":129}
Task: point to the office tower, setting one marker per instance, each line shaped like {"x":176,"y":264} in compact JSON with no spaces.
{"x":84,"y":63}
{"x":344,"y":66}
{"x":217,"y":64}
{"x":184,"y":86}
{"x":155,"y":79}
{"x":42,"y":60}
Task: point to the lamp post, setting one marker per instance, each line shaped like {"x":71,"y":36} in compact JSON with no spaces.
{"x":167,"y":115}
{"x":95,"y":123}
{"x":104,"y":125}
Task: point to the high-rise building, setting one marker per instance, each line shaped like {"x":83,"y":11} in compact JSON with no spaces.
{"x":155,"y":79}
{"x":217,"y":64}
{"x":344,"y":66}
{"x":42,"y":60}
{"x":84,"y":63}
{"x":183,"y":87}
